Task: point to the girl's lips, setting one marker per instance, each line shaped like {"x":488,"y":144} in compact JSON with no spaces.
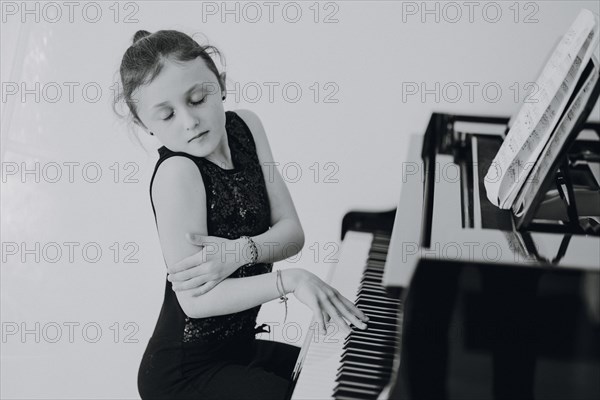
{"x":198,"y":136}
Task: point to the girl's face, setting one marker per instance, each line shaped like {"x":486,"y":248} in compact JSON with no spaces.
{"x":182,"y":102}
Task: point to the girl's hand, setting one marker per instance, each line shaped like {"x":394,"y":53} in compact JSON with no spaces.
{"x":204,"y":270}
{"x":327,"y":303}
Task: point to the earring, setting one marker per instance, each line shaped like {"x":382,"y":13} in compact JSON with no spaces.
{"x":152,"y":134}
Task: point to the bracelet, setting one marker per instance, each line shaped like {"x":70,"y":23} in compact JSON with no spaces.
{"x":282,"y":297}
{"x":253,"y":250}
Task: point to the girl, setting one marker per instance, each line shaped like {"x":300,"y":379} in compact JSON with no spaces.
{"x":209,"y":179}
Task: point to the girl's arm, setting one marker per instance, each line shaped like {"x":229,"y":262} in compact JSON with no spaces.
{"x":180,"y":205}
{"x":286,"y":237}
{"x":238,"y":294}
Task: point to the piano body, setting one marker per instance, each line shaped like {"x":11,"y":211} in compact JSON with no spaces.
{"x":462,"y":303}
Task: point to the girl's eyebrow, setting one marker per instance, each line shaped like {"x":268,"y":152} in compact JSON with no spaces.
{"x":203,"y":87}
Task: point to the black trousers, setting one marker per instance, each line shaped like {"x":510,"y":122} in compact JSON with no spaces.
{"x":267,"y":374}
{"x":248,"y":369}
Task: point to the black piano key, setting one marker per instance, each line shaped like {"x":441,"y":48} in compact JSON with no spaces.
{"x":370,"y":292}
{"x":356,"y":392}
{"x":378,"y":310}
{"x":373,"y":294}
{"x":388,"y":301}
{"x":376,"y":382}
{"x":376,"y":258}
{"x":379,"y":291}
{"x":389,"y":319}
{"x":364,"y":358}
{"x":379,"y":338}
{"x":381,"y":247}
{"x":371,"y":277}
{"x":380,"y":376}
{"x":368,"y":371}
{"x":361,"y":341}
{"x":374,"y":348}
{"x":368,"y":282}
{"x":348,"y":397}
{"x":375,"y":309}
{"x":374,"y":285}
{"x":354,"y":383}
{"x":385,"y":342}
{"x":382,"y":355}
{"x":359,"y":364}
{"x":385,"y":352}
{"x":380,"y":331}
{"x":367,"y":279}
{"x":371,"y":300}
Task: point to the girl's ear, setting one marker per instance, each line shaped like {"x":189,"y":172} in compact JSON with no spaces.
{"x":223,"y":86}
{"x":222,"y":81}
{"x":141,"y":125}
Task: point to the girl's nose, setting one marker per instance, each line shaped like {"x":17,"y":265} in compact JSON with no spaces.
{"x":189,"y":120}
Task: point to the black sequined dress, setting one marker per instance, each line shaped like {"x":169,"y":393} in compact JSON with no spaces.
{"x":181,"y":348}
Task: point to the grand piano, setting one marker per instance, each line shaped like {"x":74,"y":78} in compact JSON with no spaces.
{"x":465,"y":300}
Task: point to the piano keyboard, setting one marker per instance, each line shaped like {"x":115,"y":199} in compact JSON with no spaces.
{"x":358,"y":365}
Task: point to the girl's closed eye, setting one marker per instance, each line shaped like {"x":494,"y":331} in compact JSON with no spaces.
{"x":202,"y":100}
{"x":195,"y":103}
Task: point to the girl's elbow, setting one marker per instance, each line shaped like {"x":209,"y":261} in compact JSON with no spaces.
{"x":300,"y":237}
{"x":192,"y":307}
{"x":301,"y":243}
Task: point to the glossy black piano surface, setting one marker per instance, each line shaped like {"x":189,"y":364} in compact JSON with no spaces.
{"x":489,"y":311}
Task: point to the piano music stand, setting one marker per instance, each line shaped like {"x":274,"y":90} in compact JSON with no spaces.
{"x":441,"y":138}
{"x":559,"y":174}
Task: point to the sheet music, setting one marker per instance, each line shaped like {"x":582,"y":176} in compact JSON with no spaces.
{"x":567,"y":122}
{"x":534,"y":122}
{"x":519,"y":170}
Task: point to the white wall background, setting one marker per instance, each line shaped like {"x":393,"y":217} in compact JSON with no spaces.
{"x":365,"y":54}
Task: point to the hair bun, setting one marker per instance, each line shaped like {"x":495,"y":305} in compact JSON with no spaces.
{"x":140,"y":35}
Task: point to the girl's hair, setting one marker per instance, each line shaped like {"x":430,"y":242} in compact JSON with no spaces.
{"x":145,"y":58}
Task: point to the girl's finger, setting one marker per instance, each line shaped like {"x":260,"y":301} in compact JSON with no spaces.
{"x":328,"y":306}
{"x":191,"y":283}
{"x":345,"y":307}
{"x":319,"y":318}
{"x":326,"y":320}
{"x":190,"y":273}
{"x":206,"y":287}
{"x":188,"y":262}
{"x":361,"y":316}
{"x":349,"y":315}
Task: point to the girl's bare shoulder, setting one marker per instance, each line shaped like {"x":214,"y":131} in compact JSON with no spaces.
{"x":177,"y":174}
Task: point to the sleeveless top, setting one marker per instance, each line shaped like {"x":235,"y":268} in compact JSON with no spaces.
{"x":237,"y":204}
